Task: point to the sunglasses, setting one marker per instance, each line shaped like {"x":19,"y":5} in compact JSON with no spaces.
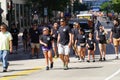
{"x":2,"y":28}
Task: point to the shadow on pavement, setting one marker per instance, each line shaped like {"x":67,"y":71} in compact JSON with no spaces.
{"x":73,"y":68}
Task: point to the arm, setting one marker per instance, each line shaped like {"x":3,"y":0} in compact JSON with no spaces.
{"x":70,"y":41}
{"x":51,"y":33}
{"x":75,"y":42}
{"x":41,"y":42}
{"x":94,"y":46}
{"x":11,"y":49}
{"x":58,"y":39}
{"x":111,"y":34}
{"x":97,"y":36}
{"x":73,"y":39}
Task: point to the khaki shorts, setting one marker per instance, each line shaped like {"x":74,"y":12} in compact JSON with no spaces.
{"x":63,"y":49}
{"x":116,"y":42}
{"x":35,"y":45}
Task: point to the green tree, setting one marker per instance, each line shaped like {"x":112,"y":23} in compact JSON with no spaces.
{"x":116,"y":5}
{"x":104,"y":6}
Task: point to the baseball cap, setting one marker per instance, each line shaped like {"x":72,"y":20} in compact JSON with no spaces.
{"x":45,"y":28}
{"x":62,"y":19}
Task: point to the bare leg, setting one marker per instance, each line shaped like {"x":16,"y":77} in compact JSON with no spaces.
{"x":62,"y":58}
{"x":50,"y":56}
{"x":46,"y":58}
{"x":101,"y":51}
{"x":89,"y":51}
{"x":66,"y":58}
{"x":32,"y":51}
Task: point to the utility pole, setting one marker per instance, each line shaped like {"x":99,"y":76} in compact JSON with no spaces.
{"x":9,"y":15}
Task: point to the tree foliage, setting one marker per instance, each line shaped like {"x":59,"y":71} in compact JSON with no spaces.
{"x":116,"y":5}
{"x":104,"y":6}
{"x":112,"y":5}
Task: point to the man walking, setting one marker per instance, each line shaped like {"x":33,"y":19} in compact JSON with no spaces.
{"x":5,"y":46}
{"x":115,"y":36}
{"x":34,"y":36}
{"x":14,"y":32}
{"x":64,"y":43}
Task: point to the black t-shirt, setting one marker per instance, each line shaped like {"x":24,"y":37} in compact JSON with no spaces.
{"x":25,"y":35}
{"x":47,"y":39}
{"x":81,"y":38}
{"x":75,"y":32}
{"x":55,"y":34}
{"x":14,"y":33}
{"x":34,"y":35}
{"x":64,"y":35}
{"x":116,"y":31}
{"x":102,"y":37}
{"x":90,"y":43}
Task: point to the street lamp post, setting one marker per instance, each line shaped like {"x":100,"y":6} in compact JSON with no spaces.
{"x":9,"y":15}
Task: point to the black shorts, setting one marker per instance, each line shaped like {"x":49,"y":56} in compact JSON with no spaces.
{"x":102,"y":42}
{"x":91,"y":48}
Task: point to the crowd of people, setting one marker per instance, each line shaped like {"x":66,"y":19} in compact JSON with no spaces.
{"x":59,"y":38}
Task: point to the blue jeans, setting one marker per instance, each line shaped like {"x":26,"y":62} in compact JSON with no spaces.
{"x":3,"y":57}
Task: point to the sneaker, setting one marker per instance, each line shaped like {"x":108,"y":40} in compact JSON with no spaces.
{"x":66,"y":67}
{"x":117,"y":57}
{"x":83,"y":59}
{"x":4,"y":70}
{"x":88,"y":61}
{"x":104,"y":59}
{"x":100,"y":59}
{"x":55,"y":56}
{"x":78,"y":58}
{"x":93,"y":60}
{"x":51,"y":65}
{"x":47,"y":68}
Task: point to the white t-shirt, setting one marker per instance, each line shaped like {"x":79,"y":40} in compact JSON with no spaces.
{"x":5,"y":39}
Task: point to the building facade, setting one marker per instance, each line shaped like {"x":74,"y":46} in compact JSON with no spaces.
{"x":94,"y":2}
{"x":19,"y":12}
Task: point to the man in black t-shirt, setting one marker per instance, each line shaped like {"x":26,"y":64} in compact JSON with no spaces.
{"x":64,"y":40}
{"x":115,"y":36}
{"x":34,"y":36}
{"x":14,"y":31}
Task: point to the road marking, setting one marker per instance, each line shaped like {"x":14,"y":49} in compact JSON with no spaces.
{"x":113,"y":75}
{"x":22,"y":73}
